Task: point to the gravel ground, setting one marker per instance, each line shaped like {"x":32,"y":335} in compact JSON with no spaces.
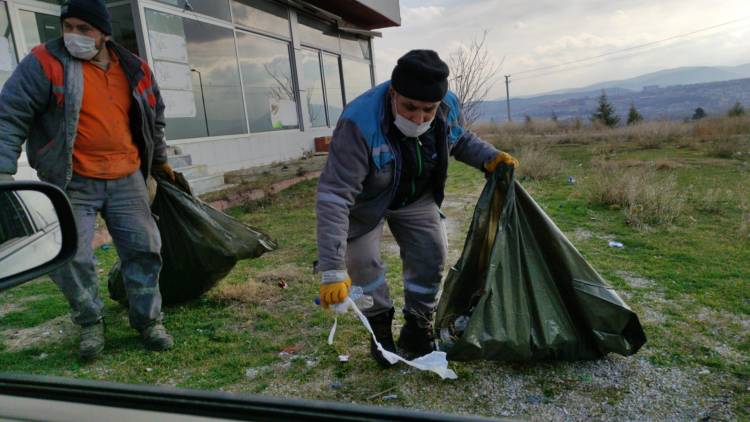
{"x":615,"y":388}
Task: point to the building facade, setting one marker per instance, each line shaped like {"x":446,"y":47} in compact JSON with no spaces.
{"x":245,"y":82}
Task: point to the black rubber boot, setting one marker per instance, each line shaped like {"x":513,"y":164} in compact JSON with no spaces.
{"x":92,"y":341}
{"x":156,"y":338}
{"x":417,"y":337}
{"x":381,"y":326}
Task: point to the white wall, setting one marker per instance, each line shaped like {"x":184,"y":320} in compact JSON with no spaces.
{"x":24,"y":171}
{"x":238,"y":152}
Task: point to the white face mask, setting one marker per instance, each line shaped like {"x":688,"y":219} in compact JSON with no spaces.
{"x":80,"y":46}
{"x":407,"y":127}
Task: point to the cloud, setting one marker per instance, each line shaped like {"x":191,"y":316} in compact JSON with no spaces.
{"x":420,"y":15}
{"x":550,"y":32}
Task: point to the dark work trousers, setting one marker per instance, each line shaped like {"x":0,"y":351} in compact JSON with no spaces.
{"x":420,"y":233}
{"x":124,"y":206}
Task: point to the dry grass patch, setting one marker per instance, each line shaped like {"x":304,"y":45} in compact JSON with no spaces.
{"x":286,"y":273}
{"x":538,"y":162}
{"x":744,"y":231}
{"x":646,"y":198}
{"x":727,"y":148}
{"x":263,"y":287}
{"x":713,"y":201}
{"x":250,"y":292}
{"x":721,"y":127}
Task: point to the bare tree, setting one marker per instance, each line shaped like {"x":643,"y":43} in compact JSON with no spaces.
{"x":472,"y":77}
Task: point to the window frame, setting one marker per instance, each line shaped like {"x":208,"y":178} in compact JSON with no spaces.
{"x":262,"y":31}
{"x":143,"y":5}
{"x":322,"y":86}
{"x":293,"y":69}
{"x":369,"y":64}
{"x":294,"y":44}
{"x":14,"y":9}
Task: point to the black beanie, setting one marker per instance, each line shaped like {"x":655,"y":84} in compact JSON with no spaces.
{"x":421,"y":75}
{"x":93,"y":12}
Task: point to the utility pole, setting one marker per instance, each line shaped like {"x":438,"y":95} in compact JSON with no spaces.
{"x":507,"y":94}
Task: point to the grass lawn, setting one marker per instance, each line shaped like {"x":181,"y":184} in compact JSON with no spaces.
{"x":688,"y":281}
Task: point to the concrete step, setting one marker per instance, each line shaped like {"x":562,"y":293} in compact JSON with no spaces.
{"x":205,"y":184}
{"x":194,"y":171}
{"x":173,"y":150}
{"x":180,"y":160}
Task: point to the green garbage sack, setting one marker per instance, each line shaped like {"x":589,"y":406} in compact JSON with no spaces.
{"x":200,"y":244}
{"x":522,"y":292}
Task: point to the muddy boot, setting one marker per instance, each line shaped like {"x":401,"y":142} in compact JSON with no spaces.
{"x":92,"y":341}
{"x":155,"y":338}
{"x":417,"y":337}
{"x":381,"y":326}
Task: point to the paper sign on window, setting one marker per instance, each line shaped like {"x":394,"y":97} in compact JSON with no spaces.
{"x":178,"y":103}
{"x":171,"y":75}
{"x":168,"y":47}
{"x":283,"y":113}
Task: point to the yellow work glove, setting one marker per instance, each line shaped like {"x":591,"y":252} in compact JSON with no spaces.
{"x":165,"y":169}
{"x":501,"y":157}
{"x":334,"y":287}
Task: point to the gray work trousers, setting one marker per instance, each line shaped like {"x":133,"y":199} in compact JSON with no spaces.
{"x":125,"y":207}
{"x":420,"y":234}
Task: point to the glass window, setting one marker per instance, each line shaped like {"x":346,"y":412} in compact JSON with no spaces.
{"x":317,"y":33}
{"x":38,"y":28}
{"x":196,"y":67}
{"x":261,"y":14}
{"x":355,"y":46}
{"x":269,"y":88}
{"x":122,"y":26}
{"x":215,"y":8}
{"x":334,"y":94}
{"x":357,"y":78}
{"x":8,"y":59}
{"x":312,"y":86}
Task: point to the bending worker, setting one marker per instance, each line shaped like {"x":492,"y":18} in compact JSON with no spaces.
{"x":388,"y":161}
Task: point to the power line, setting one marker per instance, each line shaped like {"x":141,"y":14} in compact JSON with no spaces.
{"x":609,"y":53}
{"x":608,"y":60}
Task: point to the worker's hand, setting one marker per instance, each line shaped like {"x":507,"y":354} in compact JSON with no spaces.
{"x":501,"y":157}
{"x":164,"y":169}
{"x":334,"y":287}
{"x":5,"y":177}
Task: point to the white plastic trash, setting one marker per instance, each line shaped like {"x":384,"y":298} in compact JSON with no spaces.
{"x":436,"y":362}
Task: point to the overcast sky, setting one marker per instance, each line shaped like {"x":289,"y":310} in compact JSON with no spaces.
{"x":540,"y":33}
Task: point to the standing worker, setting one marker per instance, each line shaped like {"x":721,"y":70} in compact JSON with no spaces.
{"x":94,"y":120}
{"x":388,"y":161}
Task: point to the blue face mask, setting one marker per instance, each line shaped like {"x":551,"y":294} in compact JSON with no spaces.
{"x":407,"y":127}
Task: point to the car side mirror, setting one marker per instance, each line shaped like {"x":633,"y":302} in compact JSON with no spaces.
{"x":37,"y":231}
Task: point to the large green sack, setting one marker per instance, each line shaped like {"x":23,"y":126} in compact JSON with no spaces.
{"x":522,"y":292}
{"x":200,"y":244}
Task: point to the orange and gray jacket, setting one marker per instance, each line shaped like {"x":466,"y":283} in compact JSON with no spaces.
{"x":41,"y":102}
{"x":361,"y":175}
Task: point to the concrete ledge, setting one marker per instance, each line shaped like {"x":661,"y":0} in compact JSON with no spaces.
{"x":238,"y":197}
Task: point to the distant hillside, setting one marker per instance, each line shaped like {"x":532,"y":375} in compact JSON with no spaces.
{"x":673,"y":102}
{"x":668,"y":77}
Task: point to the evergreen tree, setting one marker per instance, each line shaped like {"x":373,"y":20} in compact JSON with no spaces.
{"x":699,"y":113}
{"x":605,"y":112}
{"x":736,"y":110}
{"x":554,"y":116}
{"x":633,"y":115}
